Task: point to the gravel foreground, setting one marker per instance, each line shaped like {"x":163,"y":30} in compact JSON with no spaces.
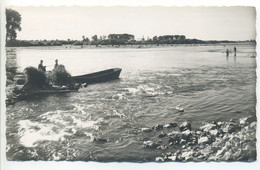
{"x":217,"y":141}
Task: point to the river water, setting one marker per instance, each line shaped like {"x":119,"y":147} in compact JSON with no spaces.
{"x":153,"y":82}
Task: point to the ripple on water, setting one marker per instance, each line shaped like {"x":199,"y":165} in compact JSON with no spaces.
{"x":62,"y":127}
{"x":54,"y":125}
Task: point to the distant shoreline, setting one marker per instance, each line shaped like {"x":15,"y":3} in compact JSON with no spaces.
{"x":71,"y":46}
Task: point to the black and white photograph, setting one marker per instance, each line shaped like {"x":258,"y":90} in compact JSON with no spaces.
{"x":132,"y":84}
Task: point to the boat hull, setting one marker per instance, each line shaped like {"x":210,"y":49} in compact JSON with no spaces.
{"x":98,"y":77}
{"x":32,"y":93}
{"x":52,"y":91}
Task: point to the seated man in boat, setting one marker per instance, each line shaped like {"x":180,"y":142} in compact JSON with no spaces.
{"x":56,"y":64}
{"x":41,"y":67}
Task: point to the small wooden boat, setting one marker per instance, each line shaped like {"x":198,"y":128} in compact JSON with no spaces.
{"x":98,"y":77}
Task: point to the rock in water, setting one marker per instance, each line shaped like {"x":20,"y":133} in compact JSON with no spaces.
{"x":185,"y":126}
{"x":150,"y":144}
{"x":146,"y":129}
{"x":162,"y":135}
{"x":247,"y":120}
{"x":220,"y":124}
{"x":163,"y":147}
{"x":100,"y":140}
{"x":158,"y":127}
{"x":180,"y":109}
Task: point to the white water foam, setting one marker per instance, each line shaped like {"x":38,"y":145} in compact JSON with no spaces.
{"x":31,"y":132}
{"x":54,"y":125}
{"x":132,"y":90}
{"x":118,"y":114}
{"x":119,"y":96}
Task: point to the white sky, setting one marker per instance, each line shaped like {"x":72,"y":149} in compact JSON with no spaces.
{"x":207,"y":23}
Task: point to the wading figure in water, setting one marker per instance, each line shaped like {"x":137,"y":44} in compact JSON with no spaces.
{"x":41,"y":67}
{"x":227,"y":52}
{"x":235,"y":51}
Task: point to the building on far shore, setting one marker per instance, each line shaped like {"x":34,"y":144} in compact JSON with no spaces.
{"x":125,"y":37}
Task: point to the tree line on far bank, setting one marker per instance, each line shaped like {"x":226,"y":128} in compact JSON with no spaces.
{"x":13,"y":22}
{"x":101,"y":42}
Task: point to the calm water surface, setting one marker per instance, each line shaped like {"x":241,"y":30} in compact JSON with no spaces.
{"x":201,"y":79}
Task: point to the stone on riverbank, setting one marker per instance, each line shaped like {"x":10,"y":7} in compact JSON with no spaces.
{"x":222,"y":141}
{"x":183,"y":142}
{"x":9,"y":82}
{"x":214,"y":132}
{"x":203,"y":140}
{"x":170,"y":125}
{"x":158,"y":127}
{"x":163,"y":147}
{"x":230,"y":127}
{"x":159,"y":159}
{"x":186,"y":135}
{"x":10,"y":75}
{"x":185,"y":126}
{"x":172,"y":158}
{"x":208,"y":127}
